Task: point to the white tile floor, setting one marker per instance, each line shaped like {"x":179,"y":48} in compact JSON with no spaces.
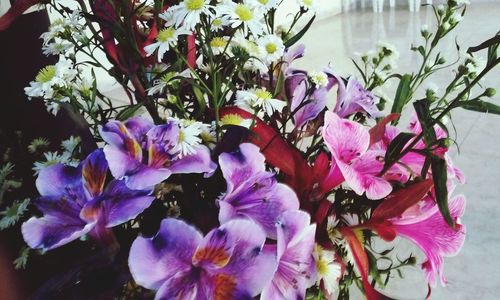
{"x":475,"y":272}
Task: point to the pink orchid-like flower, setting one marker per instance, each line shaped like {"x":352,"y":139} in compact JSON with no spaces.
{"x":430,"y":232}
{"x":349,"y":143}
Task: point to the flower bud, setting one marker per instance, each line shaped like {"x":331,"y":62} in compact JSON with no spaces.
{"x":490,"y":92}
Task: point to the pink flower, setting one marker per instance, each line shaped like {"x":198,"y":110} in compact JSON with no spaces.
{"x":429,"y":231}
{"x":348,"y":142}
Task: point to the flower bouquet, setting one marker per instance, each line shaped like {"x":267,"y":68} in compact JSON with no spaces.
{"x":221,"y":171}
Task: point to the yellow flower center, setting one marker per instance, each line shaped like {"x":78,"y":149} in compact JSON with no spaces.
{"x":263,"y":2}
{"x":194,"y":4}
{"x":231,"y":119}
{"x":243,"y":12}
{"x":322,"y":266}
{"x":46,"y":74}
{"x":217,"y":22}
{"x":182,"y":136}
{"x":263,"y":94}
{"x":165,"y":34}
{"x":271,"y":48}
{"x":218,"y":42}
{"x":308,"y":3}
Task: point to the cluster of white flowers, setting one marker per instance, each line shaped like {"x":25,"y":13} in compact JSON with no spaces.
{"x":56,"y":40}
{"x":247,"y":16}
{"x":49,"y":81}
{"x":66,"y":157}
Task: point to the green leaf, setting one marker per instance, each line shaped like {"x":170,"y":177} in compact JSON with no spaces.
{"x":440,"y":176}
{"x":422,"y":108}
{"x":13,"y":213}
{"x":200,"y":99}
{"x":128,"y":112}
{"x":298,"y":36}
{"x":402,"y":95}
{"x":21,"y":261}
{"x":396,"y":146}
{"x":481,"y":106}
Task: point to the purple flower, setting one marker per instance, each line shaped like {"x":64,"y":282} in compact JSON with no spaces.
{"x":251,"y":191}
{"x":144,"y":155}
{"x":308,"y":94}
{"x":296,"y":265}
{"x":354,"y":98}
{"x":74,"y":202}
{"x":179,"y":263}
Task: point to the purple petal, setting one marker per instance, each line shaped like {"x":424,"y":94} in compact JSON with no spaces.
{"x":239,"y":165}
{"x":118,"y":204}
{"x":312,"y":109}
{"x":152,"y":261}
{"x":146,"y":177}
{"x":94,"y":170}
{"x":50,"y":232}
{"x":261,"y":199}
{"x":200,"y":162}
{"x":355,"y":99}
{"x":215,"y":250}
{"x":182,"y":285}
{"x":296,"y":267}
{"x":117,"y":134}
{"x":250,"y":266}
{"x":53,"y":180}
{"x":120,"y":163}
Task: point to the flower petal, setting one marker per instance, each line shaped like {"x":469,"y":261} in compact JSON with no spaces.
{"x":94,"y":169}
{"x":50,"y":232}
{"x":152,"y":261}
{"x":118,"y":204}
{"x":239,"y":165}
{"x":199,"y":162}
{"x":53,"y":180}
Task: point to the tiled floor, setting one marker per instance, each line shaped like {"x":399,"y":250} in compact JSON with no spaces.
{"x":475,"y":272}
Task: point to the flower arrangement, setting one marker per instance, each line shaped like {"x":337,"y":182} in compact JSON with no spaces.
{"x":230,"y":174}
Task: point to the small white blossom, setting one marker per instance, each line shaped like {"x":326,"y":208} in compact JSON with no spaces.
{"x":272,"y":48}
{"x":188,"y":12}
{"x":329,"y":271}
{"x":166,"y":38}
{"x":319,"y":79}
{"x":243,"y":14}
{"x":219,"y":44}
{"x":259,"y":98}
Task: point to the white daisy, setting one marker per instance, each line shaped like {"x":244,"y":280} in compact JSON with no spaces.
{"x":254,"y":51}
{"x":265,"y":5}
{"x":235,"y":120}
{"x":70,"y":144}
{"x":165,"y":39}
{"x":319,"y":79}
{"x":243,"y":14}
{"x":328,"y":269}
{"x":219,"y":44}
{"x":189,"y":137}
{"x":188,"y":12}
{"x":218,"y":23}
{"x":272,"y":48}
{"x":259,"y":98}
{"x":60,"y":74}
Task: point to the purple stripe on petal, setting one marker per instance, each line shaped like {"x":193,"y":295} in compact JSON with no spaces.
{"x":154,"y":260}
{"x":94,"y":170}
{"x":119,"y":204}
